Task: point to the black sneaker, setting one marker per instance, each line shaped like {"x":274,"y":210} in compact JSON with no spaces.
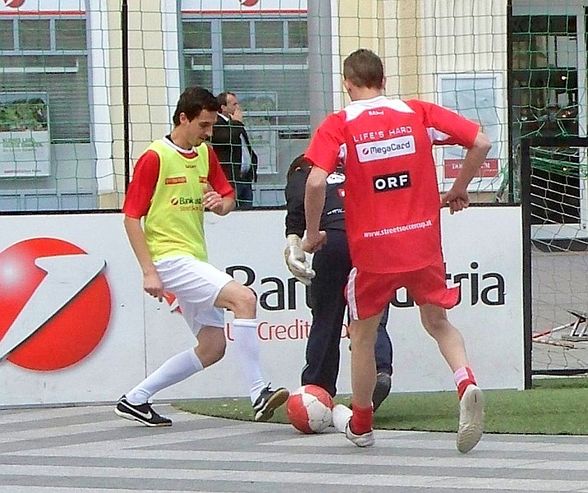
{"x":143,"y":413}
{"x":268,"y":401}
{"x":381,"y":390}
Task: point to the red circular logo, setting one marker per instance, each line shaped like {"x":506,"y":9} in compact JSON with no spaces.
{"x":249,"y":3}
{"x":55,"y":303}
{"x":15,"y":4}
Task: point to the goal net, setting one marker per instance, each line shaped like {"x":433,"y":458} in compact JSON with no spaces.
{"x":553,"y":185}
{"x":85,"y":86}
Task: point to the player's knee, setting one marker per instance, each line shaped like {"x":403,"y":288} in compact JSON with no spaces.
{"x":245,"y":303}
{"x":250,"y":298}
{"x":362,"y":336}
{"x":434,"y":324}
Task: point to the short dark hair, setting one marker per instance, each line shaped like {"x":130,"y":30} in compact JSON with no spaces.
{"x":363,"y":68}
{"x":222,"y":97}
{"x":299,"y":163}
{"x":192,"y":101}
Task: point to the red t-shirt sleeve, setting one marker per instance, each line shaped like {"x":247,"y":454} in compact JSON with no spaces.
{"x":216,"y":176}
{"x":446,"y":126}
{"x":325,"y":146}
{"x":142,"y":186}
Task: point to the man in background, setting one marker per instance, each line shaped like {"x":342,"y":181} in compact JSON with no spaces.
{"x":233,"y":148}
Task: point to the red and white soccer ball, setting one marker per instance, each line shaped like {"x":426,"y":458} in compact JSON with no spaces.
{"x":309,"y":409}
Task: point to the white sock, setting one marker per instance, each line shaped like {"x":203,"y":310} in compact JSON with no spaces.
{"x":247,"y":345}
{"x":174,"y":370}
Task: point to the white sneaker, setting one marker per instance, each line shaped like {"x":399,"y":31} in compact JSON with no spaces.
{"x":364,"y":440}
{"x":341,"y":416}
{"x":471,"y":419}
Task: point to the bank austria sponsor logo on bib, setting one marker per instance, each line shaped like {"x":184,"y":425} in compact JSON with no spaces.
{"x":382,"y":149}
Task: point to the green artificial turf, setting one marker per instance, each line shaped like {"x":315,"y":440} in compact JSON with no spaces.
{"x":552,"y":406}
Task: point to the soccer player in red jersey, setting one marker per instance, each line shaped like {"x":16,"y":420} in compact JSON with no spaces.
{"x":392,"y":206}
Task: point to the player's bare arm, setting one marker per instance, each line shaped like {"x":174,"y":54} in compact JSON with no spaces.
{"x":151,"y":282}
{"x":457,"y":197}
{"x":314,"y":201}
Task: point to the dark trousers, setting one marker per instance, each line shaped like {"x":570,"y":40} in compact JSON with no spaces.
{"x":332,"y":265}
{"x":244,"y":194}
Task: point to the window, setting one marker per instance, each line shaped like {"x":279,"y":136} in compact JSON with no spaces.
{"x":269,"y":34}
{"x":264,"y":61}
{"x":197,"y":35}
{"x":49,"y":56}
{"x":48,"y":158}
{"x":252,"y":56}
{"x":297,"y":34}
{"x":70,"y":34}
{"x":6,"y":35}
{"x":34,"y":34}
{"x":236,"y":34}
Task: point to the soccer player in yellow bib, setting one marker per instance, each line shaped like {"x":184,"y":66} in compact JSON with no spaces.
{"x":174,"y":181}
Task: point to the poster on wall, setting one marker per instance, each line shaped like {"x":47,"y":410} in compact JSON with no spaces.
{"x":76,"y":325}
{"x":71,"y":310}
{"x":474,"y":96}
{"x":258,"y":107}
{"x":489,"y":313}
{"x":24,"y":135}
{"x":264,"y":143}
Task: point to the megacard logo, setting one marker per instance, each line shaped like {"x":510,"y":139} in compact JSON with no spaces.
{"x":55,"y":303}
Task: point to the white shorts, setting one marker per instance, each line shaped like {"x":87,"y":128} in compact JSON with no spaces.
{"x":196,"y":286}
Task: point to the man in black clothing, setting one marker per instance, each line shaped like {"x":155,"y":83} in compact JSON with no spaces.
{"x":233,"y":148}
{"x":330,"y":269}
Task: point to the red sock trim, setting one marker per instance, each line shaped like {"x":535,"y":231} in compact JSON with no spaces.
{"x":361,"y":419}
{"x":464,"y":377}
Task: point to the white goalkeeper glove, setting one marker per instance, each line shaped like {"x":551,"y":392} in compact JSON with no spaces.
{"x":296,"y":260}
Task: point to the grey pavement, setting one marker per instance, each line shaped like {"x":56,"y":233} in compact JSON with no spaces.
{"x":90,"y":449}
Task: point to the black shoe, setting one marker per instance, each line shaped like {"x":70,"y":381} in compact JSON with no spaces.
{"x":143,"y":413}
{"x":381,"y":390}
{"x":268,"y":401}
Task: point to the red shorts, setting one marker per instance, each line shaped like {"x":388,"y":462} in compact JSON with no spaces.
{"x":368,"y":293}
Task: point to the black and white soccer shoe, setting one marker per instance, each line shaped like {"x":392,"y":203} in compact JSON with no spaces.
{"x":143,"y":413}
{"x":268,"y":401}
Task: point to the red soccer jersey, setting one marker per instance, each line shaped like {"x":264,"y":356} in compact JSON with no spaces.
{"x":392,"y":206}
{"x":146,"y":173}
